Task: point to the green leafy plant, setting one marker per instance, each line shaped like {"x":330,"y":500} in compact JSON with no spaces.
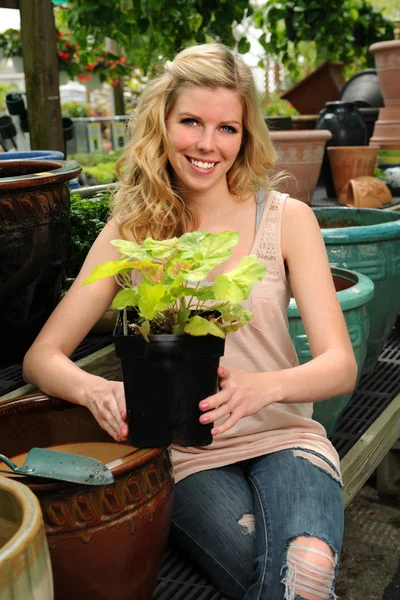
{"x":88,"y":217}
{"x":272,"y":104}
{"x":10,"y":43}
{"x":300,"y":31}
{"x":170,"y":297}
{"x":86,"y":159}
{"x":74,"y":109}
{"x":103,"y":172}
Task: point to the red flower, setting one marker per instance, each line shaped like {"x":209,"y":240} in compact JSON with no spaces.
{"x":90,"y":67}
{"x":59,"y":35}
{"x":64,"y":55}
{"x":84,"y":78}
{"x":114,"y":83}
{"x":122,"y":60}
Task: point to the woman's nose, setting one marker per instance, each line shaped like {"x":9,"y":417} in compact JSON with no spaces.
{"x":206,"y":141}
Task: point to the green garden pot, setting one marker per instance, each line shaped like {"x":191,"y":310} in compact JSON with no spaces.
{"x":368,"y":241}
{"x":353,"y":290}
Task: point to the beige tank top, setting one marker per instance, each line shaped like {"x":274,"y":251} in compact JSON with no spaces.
{"x":262,"y":345}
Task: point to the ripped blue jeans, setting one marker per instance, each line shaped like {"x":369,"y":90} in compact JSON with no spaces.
{"x":269,"y":528}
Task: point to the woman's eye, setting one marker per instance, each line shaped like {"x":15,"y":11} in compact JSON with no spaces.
{"x":228,"y":129}
{"x":189,"y":122}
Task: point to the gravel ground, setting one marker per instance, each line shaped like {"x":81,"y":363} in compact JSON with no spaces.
{"x":370,"y":558}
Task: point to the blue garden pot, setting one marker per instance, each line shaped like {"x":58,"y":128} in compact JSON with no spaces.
{"x":368,"y":241}
{"x":353,"y":291}
{"x":33,"y":155}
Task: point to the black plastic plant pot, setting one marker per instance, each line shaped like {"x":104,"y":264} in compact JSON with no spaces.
{"x":68,"y":129}
{"x":7,"y":127}
{"x":15,"y":103}
{"x":164,"y":380}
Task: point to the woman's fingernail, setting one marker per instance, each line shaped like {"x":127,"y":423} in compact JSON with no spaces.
{"x":204,"y":406}
{"x":204,"y":419}
{"x":214,"y":431}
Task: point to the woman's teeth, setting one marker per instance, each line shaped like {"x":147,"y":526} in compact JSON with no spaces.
{"x":201,"y":165}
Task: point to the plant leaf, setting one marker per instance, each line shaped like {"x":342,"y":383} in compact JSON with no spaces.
{"x":150,"y":299}
{"x":131,"y":249}
{"x":199,"y":326}
{"x":108,"y":269}
{"x":125,"y":298}
{"x":236,"y":285}
{"x":160,"y":249}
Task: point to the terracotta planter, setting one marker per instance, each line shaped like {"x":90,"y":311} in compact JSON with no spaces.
{"x":300,"y":155}
{"x":34,"y":244}
{"x":105,"y":542}
{"x":348,"y":162}
{"x":387,"y":129}
{"x":25,"y":569}
{"x":387,"y":62}
{"x":365,"y":192}
{"x":322,"y":85}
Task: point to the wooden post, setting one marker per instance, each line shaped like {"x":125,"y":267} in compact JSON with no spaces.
{"x":39,"y":48}
{"x":119,"y":104}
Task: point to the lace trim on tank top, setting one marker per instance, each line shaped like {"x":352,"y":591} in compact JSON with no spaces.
{"x":266,"y":250}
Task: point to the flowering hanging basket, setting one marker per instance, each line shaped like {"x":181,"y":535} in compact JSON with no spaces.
{"x":90,"y":81}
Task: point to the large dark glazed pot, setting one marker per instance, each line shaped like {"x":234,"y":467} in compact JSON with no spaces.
{"x":347,"y":126}
{"x":106,"y":542}
{"x":367,"y":240}
{"x":34,"y":243}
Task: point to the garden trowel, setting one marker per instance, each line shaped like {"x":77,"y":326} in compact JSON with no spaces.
{"x":62,"y":465}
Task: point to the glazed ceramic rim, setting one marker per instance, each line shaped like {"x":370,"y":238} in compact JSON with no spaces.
{"x":301,"y":135}
{"x":388,"y":230}
{"x":357,"y":295}
{"x":31,"y":519}
{"x":58,"y":172}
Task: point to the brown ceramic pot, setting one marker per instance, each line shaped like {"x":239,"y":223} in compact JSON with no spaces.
{"x":365,"y":192}
{"x":387,"y":62}
{"x":387,"y":129}
{"x":107,"y":542}
{"x":34,"y":246}
{"x":348,"y":162}
{"x":300,"y":155}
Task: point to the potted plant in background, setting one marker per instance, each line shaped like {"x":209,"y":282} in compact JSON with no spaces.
{"x":68,"y":57}
{"x":103,"y":68}
{"x":171,"y":330}
{"x":278,"y":113}
{"x":11,"y":47}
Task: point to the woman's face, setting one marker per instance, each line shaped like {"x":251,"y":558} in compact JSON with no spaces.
{"x":205,"y":130}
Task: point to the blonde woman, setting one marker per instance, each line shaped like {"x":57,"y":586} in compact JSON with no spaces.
{"x":260,"y":509}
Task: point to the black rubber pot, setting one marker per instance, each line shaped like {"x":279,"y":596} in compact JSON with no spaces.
{"x":15,"y":103}
{"x":164,"y":381}
{"x":7,"y":127}
{"x":363,"y":88}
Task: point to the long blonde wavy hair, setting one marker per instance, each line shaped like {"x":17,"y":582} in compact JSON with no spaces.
{"x":146,"y":203}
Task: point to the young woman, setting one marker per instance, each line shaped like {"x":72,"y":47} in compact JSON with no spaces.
{"x":259,"y":509}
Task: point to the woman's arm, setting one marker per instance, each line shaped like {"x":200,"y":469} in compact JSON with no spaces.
{"x":333,"y":368}
{"x":46,"y":363}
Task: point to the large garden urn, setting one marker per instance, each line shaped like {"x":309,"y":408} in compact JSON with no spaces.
{"x":25,"y":569}
{"x":368,"y":241}
{"x":353,"y":291}
{"x":105,"y":542}
{"x":34,"y":244}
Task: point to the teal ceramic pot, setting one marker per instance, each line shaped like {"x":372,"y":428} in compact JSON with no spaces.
{"x":368,"y":241}
{"x":353,"y":290}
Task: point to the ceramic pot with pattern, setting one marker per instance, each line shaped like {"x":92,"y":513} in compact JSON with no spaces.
{"x":34,"y":244}
{"x":106,"y":542}
{"x":300,"y":157}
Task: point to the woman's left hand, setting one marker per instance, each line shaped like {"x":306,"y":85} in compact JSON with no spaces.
{"x":241,"y":394}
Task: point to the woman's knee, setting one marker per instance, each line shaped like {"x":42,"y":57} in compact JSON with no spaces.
{"x":310,"y":570}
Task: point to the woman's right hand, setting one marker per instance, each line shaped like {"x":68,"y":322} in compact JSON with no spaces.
{"x":106,"y":401}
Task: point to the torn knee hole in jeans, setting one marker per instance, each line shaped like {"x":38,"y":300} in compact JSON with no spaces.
{"x":248,"y":524}
{"x":318,"y":462}
{"x":310,"y":570}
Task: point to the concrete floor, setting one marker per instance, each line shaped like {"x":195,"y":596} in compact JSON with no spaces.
{"x":370,"y":561}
